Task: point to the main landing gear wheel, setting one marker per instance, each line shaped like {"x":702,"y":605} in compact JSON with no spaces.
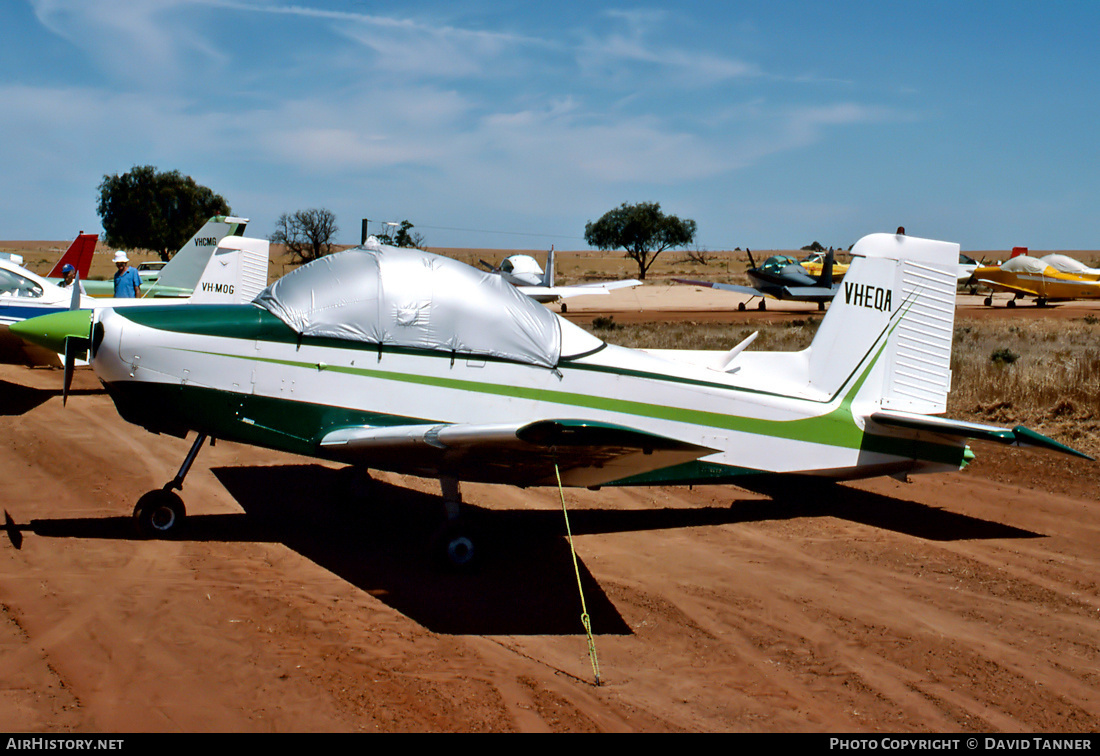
{"x":1010,"y":303}
{"x":456,"y":548}
{"x":453,"y":542}
{"x":763,"y":305}
{"x":989,"y":301}
{"x":159,"y":513}
{"x":740,"y":306}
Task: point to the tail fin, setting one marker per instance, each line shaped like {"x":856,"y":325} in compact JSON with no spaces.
{"x":184,"y":270}
{"x":886,"y":339}
{"x":548,"y":274}
{"x":826,"y":277}
{"x":235,"y":273}
{"x":79,"y":255}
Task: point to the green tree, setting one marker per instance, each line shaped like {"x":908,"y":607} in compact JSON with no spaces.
{"x":306,"y":234}
{"x":144,"y":209}
{"x":642,"y":230}
{"x":402,"y":237}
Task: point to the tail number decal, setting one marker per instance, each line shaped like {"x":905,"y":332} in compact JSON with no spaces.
{"x":871,"y":297}
{"x":218,"y":288}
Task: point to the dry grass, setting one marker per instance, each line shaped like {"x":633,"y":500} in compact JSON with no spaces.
{"x":790,"y":335}
{"x":1052,"y":386}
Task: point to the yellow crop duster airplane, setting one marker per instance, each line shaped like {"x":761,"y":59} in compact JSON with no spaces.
{"x":1026,"y":276}
{"x":401,"y":360}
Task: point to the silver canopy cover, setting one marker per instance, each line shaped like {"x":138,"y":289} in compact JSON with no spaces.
{"x":411,"y":298}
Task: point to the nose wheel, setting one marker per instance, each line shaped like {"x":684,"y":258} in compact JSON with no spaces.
{"x":160,"y":512}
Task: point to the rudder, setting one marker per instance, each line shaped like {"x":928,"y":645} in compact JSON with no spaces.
{"x":889,"y":328}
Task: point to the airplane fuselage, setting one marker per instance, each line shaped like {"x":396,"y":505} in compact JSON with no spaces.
{"x":240,"y":374}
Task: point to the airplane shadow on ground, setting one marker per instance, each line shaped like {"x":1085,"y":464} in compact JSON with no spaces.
{"x":16,"y":399}
{"x":381,"y":540}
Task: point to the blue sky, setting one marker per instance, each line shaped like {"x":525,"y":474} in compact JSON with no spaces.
{"x":511,"y":124}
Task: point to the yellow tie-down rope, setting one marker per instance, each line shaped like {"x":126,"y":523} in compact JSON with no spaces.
{"x":585,"y":620}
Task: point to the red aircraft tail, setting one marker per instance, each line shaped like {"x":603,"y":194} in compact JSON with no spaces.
{"x":79,"y":255}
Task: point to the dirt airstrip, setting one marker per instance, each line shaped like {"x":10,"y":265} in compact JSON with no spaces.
{"x":300,"y":599}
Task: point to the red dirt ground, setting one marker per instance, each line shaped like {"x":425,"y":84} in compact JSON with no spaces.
{"x":299,"y":600}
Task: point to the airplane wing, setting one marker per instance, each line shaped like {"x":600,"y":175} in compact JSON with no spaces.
{"x":794,"y":293}
{"x":586,"y":453}
{"x":753,"y":292}
{"x":552,"y":293}
{"x":809,"y":293}
{"x":998,"y":286}
{"x":1018,"y":436}
{"x":625,"y":284}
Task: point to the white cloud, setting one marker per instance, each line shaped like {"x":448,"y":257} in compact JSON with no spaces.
{"x":618,"y":54}
{"x":139,"y":40}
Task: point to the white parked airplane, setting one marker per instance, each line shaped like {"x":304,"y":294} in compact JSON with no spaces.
{"x":524,"y":272}
{"x":1068,"y":264}
{"x":400,"y":360}
{"x":179,"y":276}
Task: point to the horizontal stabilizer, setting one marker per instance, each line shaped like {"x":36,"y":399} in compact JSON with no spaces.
{"x":1018,"y":436}
{"x":586,"y":453}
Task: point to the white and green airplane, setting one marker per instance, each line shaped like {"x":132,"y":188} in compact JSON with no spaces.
{"x":400,"y":360}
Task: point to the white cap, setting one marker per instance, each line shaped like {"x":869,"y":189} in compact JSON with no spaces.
{"x":120,"y":256}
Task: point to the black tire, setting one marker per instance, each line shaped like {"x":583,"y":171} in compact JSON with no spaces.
{"x":159,"y":514}
{"x":989,"y":301}
{"x":564,"y":307}
{"x":740,"y":306}
{"x":762,"y":306}
{"x":1010,"y":303}
{"x":456,"y":549}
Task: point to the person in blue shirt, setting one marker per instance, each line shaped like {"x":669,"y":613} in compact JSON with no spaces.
{"x":127,"y":280}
